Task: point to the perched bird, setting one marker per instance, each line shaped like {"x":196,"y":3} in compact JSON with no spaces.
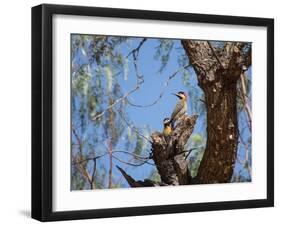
{"x":167,"y":130}
{"x":180,"y":109}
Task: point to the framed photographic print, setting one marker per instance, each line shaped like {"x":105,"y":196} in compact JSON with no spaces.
{"x":145,"y":112}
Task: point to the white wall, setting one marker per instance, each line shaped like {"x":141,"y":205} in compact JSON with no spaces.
{"x":15,"y":110}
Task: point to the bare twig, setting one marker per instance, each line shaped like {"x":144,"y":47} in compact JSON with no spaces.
{"x":110,"y":164}
{"x":132,"y":164}
{"x":214,"y":52}
{"x":85,"y":173}
{"x":189,"y":151}
{"x":140,"y":80}
{"x":133,"y":128}
{"x":88,"y":159}
{"x":139,"y":157}
{"x":78,"y":140}
{"x":94,"y":169}
{"x":82,"y":167}
{"x":245,"y":100}
{"x":134,"y":155}
{"x":246,"y":163}
{"x":162,"y":91}
{"x":136,"y":50}
{"x":94,"y":174}
{"x":115,"y":102}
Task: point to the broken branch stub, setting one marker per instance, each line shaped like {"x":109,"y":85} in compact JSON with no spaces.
{"x":169,"y":155}
{"x":169,"y":152}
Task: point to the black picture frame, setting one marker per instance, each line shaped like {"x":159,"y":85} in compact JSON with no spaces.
{"x":42,"y":86}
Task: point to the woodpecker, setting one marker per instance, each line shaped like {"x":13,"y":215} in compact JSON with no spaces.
{"x":167,"y":130}
{"x":181,"y":107}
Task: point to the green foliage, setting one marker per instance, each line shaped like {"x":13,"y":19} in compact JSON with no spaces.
{"x":248,"y":83}
{"x":77,"y":181}
{"x":154,"y":176}
{"x":109,"y":78}
{"x":196,"y":141}
{"x":163,"y":52}
{"x":95,"y":65}
{"x":186,"y":77}
{"x":92,"y":103}
{"x":139,"y":145}
{"x":81,"y":82}
{"x":194,"y":161}
{"x":126,"y":69}
{"x":137,"y":142}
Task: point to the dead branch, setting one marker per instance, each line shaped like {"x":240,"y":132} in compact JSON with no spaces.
{"x":136,"y":50}
{"x":245,"y":100}
{"x":169,"y":155}
{"x":133,"y":164}
{"x":133,"y":183}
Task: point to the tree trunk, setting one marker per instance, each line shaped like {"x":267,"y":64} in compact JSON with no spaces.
{"x":218,"y":71}
{"x":222,"y":136}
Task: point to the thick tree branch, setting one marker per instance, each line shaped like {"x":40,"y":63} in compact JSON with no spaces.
{"x":133,"y":183}
{"x":169,"y":155}
{"x":220,"y":89}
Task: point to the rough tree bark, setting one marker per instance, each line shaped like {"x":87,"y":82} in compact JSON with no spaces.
{"x":169,"y":156}
{"x":218,"y":70}
{"x":169,"y":152}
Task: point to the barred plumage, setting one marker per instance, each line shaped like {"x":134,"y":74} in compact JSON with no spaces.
{"x":180,"y":108}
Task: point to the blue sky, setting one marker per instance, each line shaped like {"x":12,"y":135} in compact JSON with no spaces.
{"x":150,"y":89}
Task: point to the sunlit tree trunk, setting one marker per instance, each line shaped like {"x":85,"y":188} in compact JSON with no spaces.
{"x":218,"y":70}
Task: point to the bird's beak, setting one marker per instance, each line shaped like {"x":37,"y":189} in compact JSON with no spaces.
{"x":176,"y":94}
